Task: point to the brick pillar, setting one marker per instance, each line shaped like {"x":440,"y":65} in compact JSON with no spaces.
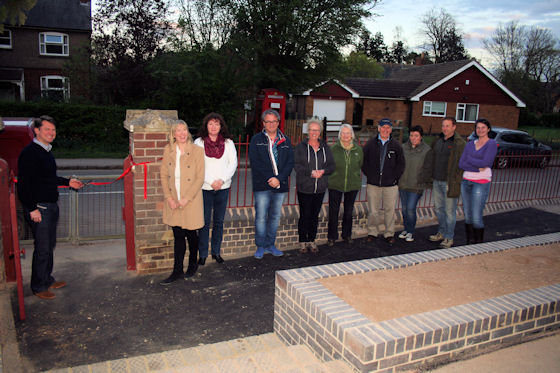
{"x":148,"y":136}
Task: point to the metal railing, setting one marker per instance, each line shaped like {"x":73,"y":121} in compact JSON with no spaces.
{"x":523,"y":177}
{"x":95,"y":212}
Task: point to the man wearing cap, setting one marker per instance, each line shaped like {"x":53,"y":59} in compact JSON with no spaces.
{"x":383,"y":166}
{"x":447,"y":177}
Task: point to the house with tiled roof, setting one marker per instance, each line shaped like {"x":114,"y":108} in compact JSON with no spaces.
{"x":417,"y":95}
{"x":32,"y":55}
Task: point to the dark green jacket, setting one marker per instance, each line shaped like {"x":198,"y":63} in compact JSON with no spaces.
{"x":454,"y":173}
{"x":348,"y":163}
{"x":417,"y":174}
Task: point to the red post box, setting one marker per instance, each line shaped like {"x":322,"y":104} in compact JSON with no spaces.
{"x":270,"y":98}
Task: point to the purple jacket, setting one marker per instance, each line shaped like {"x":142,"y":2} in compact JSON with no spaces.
{"x":472,"y":160}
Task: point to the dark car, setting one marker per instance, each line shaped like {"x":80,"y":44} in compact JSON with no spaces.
{"x":517,"y":148}
{"x":15,"y":136}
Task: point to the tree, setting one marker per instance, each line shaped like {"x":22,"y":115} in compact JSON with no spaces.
{"x":196,"y":82}
{"x":292,"y":44}
{"x":443,"y":37}
{"x":373,"y":47}
{"x":528,"y":63}
{"x":398,"y":52}
{"x":453,"y":48}
{"x":506,"y":46}
{"x":202,"y":23}
{"x":13,"y":11}
{"x":127,"y":35}
{"x":358,"y":65}
{"x":131,"y":29}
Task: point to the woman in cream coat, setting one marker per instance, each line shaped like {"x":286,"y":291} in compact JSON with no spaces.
{"x":182,"y":176}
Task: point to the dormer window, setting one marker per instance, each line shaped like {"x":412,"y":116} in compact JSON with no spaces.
{"x":6,"y":39}
{"x":53,"y":44}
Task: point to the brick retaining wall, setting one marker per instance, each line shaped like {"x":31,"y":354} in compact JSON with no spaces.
{"x":306,"y":312}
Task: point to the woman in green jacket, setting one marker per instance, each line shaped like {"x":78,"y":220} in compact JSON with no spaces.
{"x":345,"y":181}
{"x":416,"y":177}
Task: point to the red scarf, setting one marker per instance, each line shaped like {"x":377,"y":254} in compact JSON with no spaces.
{"x":214,"y":149}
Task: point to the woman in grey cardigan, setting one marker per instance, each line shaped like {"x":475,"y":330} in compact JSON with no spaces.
{"x":313,"y":163}
{"x":416,"y":177}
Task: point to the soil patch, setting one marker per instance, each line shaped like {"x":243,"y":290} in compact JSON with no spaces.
{"x":388,"y":294}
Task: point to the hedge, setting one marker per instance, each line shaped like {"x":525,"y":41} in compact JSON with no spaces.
{"x":79,"y":127}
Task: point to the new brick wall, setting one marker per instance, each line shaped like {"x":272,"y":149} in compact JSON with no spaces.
{"x":153,"y":240}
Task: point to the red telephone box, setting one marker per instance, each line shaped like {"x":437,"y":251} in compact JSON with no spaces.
{"x":270,"y":98}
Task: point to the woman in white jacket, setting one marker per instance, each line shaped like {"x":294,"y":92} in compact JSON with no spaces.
{"x":220,"y":164}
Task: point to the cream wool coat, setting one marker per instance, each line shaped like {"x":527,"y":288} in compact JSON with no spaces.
{"x":192,"y":177}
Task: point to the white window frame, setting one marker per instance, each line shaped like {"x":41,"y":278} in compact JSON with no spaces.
{"x":65,"y":86}
{"x":43,"y":43}
{"x":463,"y":107}
{"x":9,"y":37}
{"x":428,"y":107}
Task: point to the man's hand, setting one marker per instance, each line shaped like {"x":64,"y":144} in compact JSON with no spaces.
{"x":35,"y":216}
{"x":274,"y":182}
{"x":217,"y":184}
{"x":76,"y":184}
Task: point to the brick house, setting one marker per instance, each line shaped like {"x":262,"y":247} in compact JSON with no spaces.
{"x":416,"y":95}
{"x":32,"y":55}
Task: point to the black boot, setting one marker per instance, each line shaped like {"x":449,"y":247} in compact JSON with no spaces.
{"x":478,"y":235}
{"x":470,"y":233}
{"x":192,"y":238}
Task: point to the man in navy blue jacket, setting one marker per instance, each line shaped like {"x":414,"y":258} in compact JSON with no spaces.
{"x":38,"y":192}
{"x":383,"y":166}
{"x":272,"y":161}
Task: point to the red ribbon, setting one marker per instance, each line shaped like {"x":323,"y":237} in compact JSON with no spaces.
{"x":97,"y":183}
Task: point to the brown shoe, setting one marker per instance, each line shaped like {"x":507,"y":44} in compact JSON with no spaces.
{"x":45,"y":295}
{"x":371,"y":238}
{"x":390,"y":240}
{"x":57,"y":285}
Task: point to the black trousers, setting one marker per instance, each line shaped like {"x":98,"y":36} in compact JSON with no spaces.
{"x":44,"y":235}
{"x":180,"y":247}
{"x":335,"y":197}
{"x":309,"y":208}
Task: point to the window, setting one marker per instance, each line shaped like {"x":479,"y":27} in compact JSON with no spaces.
{"x":434,"y":108}
{"x":6,"y":39}
{"x":55,"y":88}
{"x":467,"y":112}
{"x":53,"y":44}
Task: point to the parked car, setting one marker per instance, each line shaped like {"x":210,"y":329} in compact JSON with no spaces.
{"x":517,"y":148}
{"x":15,"y":136}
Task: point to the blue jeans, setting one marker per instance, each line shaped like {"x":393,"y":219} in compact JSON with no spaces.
{"x":268,"y":210}
{"x":474,"y":198}
{"x":409,"y":200}
{"x":216,"y":202}
{"x":446,"y":209}
{"x":44,"y":235}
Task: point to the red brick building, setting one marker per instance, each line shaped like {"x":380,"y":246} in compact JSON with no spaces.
{"x":32,"y":55}
{"x":417,"y":95}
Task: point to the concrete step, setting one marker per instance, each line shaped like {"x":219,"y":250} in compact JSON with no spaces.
{"x":262,"y":353}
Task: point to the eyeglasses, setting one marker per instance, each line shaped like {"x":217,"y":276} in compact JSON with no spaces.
{"x":314,"y":130}
{"x":270,"y":121}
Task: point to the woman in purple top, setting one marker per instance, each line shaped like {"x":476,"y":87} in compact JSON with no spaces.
{"x":476,"y":161}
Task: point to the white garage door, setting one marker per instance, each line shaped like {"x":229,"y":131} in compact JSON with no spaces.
{"x":334,"y":110}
